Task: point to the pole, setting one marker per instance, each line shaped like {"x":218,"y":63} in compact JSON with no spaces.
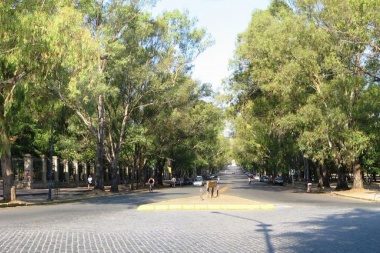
{"x":51,"y":162}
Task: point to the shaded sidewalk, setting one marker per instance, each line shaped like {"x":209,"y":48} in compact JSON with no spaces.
{"x":28,"y":197}
{"x":371,"y":192}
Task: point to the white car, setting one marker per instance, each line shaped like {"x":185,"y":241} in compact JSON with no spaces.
{"x":198,"y":181}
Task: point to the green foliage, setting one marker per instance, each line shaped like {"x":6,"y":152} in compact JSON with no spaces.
{"x":308,"y":75}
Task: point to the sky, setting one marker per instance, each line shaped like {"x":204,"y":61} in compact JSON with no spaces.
{"x":224,"y":20}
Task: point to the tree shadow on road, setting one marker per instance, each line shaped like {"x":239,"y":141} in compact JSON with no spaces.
{"x":353,"y":231}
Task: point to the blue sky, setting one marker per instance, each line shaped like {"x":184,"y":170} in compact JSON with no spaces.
{"x":224,"y":20}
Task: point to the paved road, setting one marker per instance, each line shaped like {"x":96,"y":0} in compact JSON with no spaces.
{"x":289,"y":196}
{"x":113,"y":224}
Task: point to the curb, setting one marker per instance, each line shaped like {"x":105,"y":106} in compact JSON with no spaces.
{"x":355,"y":197}
{"x":17,"y":203}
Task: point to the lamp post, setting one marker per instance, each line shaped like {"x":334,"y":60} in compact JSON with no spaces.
{"x":51,"y":162}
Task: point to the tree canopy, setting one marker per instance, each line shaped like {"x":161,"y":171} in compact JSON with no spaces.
{"x":109,"y":79}
{"x":306,"y":82}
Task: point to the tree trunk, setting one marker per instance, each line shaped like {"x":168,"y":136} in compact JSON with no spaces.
{"x":319,"y":175}
{"x":342,"y":181}
{"x":160,"y":170}
{"x":133,"y":178}
{"x":358,"y":181}
{"x":306,"y":169}
{"x":114,"y":157}
{"x":9,"y":188}
{"x":322,"y":173}
{"x":99,"y":174}
{"x":115,"y":175}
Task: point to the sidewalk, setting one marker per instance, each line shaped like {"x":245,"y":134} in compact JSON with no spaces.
{"x":27,"y":197}
{"x":369,"y":193}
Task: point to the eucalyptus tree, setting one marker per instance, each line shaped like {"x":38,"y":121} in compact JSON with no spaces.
{"x":205,"y":124}
{"x":271,"y":79}
{"x":140,"y":58}
{"x":35,"y":42}
{"x":312,"y":68}
{"x":246,"y":141}
{"x":162,"y":129}
{"x":194,"y":140}
{"x":353,"y":75}
{"x":184,"y":130}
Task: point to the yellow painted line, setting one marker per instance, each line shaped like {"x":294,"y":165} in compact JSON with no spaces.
{"x":267,"y":207}
{"x":187,"y":207}
{"x":174,"y":207}
{"x":145,"y":208}
{"x":200,"y":207}
{"x":162,"y":207}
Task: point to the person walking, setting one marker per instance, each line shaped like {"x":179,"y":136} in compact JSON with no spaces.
{"x":174,"y":180}
{"x":89,"y":181}
{"x":151,"y":184}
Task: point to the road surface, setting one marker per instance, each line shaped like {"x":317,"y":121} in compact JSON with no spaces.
{"x":300,"y":222}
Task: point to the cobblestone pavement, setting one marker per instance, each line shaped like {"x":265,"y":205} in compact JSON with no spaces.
{"x":105,"y":222}
{"x":116,"y":226}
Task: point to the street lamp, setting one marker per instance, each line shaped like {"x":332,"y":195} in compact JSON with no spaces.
{"x":51,"y":162}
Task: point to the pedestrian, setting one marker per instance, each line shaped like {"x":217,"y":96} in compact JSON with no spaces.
{"x":89,"y":181}
{"x":174,"y":180}
{"x":151,"y":184}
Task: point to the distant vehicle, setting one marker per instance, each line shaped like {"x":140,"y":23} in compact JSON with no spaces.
{"x":264,"y":179}
{"x":198,"y":181}
{"x":178,"y":181}
{"x":187,"y":181}
{"x":256,"y":177}
{"x":278,"y":181}
{"x":213,"y":177}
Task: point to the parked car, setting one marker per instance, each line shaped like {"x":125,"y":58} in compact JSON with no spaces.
{"x":264,"y":179}
{"x":178,"y":181}
{"x":198,"y":181}
{"x":256,"y":177}
{"x":213,"y":177}
{"x":278,"y":180}
{"x":187,"y":181}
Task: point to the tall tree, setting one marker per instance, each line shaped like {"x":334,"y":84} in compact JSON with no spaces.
{"x":140,"y":59}
{"x":356,"y":30}
{"x":313,"y":78}
{"x":35,"y":42}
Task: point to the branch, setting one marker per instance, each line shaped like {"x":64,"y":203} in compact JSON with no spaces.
{"x":85,"y":120}
{"x":13,"y":80}
{"x":375,"y":77}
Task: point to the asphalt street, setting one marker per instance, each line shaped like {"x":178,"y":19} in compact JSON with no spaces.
{"x":299,"y":223}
